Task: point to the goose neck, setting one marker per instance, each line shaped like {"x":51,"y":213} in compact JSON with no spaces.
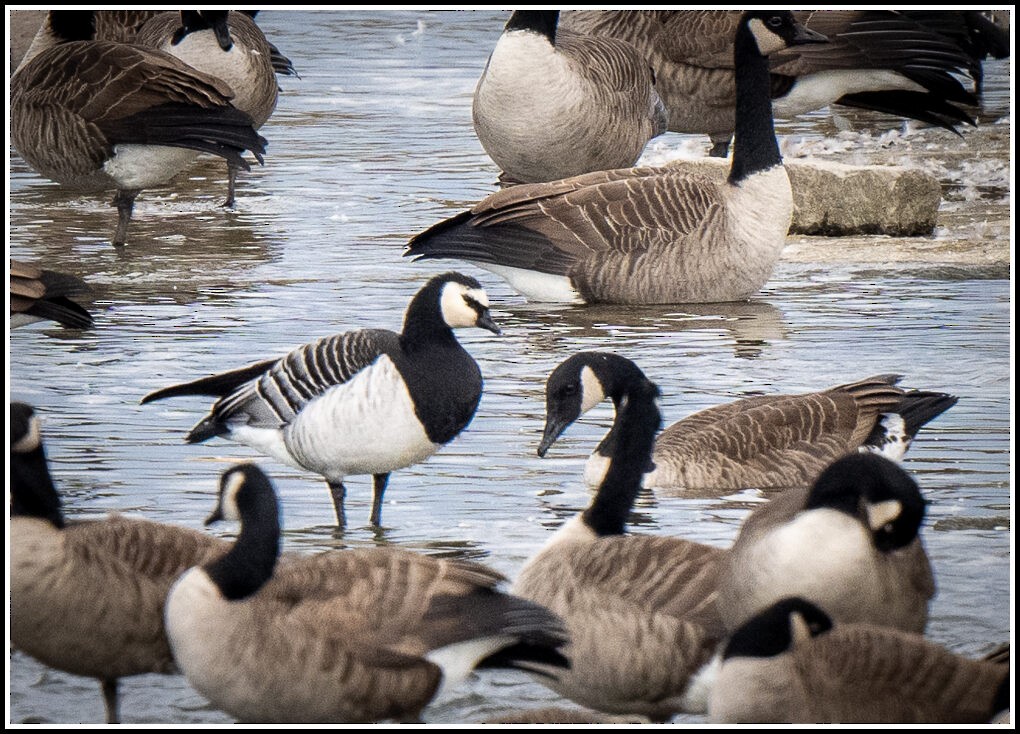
{"x":32,"y":490}
{"x":754,"y":141}
{"x":249,"y":564}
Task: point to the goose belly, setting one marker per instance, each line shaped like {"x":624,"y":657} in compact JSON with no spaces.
{"x":535,"y":286}
{"x":135,"y":166}
{"x":814,"y":91}
{"x":367,"y":425}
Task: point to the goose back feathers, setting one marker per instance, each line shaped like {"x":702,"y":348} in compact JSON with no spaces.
{"x":87,"y":597}
{"x":362,"y":402}
{"x":765,"y":442}
{"x":550,"y":104}
{"x":792,"y":664}
{"x":640,"y":610}
{"x":643,"y":235}
{"x":352,"y":636}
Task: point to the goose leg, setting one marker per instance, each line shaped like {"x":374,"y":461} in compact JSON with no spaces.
{"x":720,"y":145}
{"x":110,"y":698}
{"x":338,"y":490}
{"x":379,"y":482}
{"x":231,"y":185}
{"x":125,"y":203}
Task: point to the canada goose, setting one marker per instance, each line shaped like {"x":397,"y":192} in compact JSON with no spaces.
{"x":850,"y":543}
{"x":765,"y":442}
{"x":226,"y":45}
{"x":87,"y":597}
{"x":343,"y":636}
{"x":790,"y":664}
{"x":45,"y":295}
{"x":640,"y":610}
{"x":645,"y":235}
{"x":551,"y":105}
{"x":121,"y":26}
{"x":95,"y":115}
{"x":889,"y":61}
{"x":362,"y":402}
{"x":281,"y":64}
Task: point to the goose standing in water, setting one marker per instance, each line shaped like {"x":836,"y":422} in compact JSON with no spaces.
{"x":86,"y":597}
{"x":363,"y":402}
{"x":228,"y":45}
{"x":94,"y":115}
{"x":342,"y":636}
{"x":554,"y":104}
{"x":792,"y":664}
{"x":641,"y":610}
{"x":645,"y":235}
{"x":763,"y":442}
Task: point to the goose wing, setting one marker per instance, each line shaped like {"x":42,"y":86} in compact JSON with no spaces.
{"x":551,"y":227}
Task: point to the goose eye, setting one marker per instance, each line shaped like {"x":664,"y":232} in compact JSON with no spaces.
{"x":774,"y":22}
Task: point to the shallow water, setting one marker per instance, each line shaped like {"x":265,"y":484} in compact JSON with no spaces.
{"x":371,"y":145}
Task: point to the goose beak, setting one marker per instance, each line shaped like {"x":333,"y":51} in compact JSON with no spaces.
{"x":806,"y":35}
{"x":485,"y":322}
{"x":554,"y":426}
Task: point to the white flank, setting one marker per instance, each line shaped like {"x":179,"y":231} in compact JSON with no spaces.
{"x":699,"y":686}
{"x":815,"y":91}
{"x":535,"y":286}
{"x":365,"y":426}
{"x":459,"y":659}
{"x":144,"y":166}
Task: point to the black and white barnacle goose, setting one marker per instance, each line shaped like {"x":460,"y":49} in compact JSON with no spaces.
{"x":94,"y":115}
{"x":851,"y":544}
{"x":640,"y":609}
{"x":360,"y":635}
{"x":228,"y":45}
{"x":645,"y":235}
{"x":362,"y":402}
{"x":912,"y":64}
{"x":792,"y":664}
{"x":86,"y":597}
{"x":553,"y":104}
{"x":38,"y":294}
{"x":764,"y":442}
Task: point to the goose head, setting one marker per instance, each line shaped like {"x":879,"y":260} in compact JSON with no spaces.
{"x":775,"y":30}
{"x":204,"y":20}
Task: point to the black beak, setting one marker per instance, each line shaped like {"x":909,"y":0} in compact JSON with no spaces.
{"x":554,"y":426}
{"x":803,"y":35}
{"x":485,"y":322}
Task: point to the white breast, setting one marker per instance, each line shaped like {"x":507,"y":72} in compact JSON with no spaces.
{"x":364,"y":426}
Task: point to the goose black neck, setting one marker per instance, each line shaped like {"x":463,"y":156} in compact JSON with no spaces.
{"x":424,"y":323}
{"x":32,"y":490}
{"x":250,"y":562}
{"x":754,"y":141}
{"x":637,"y":421}
{"x":538,"y":21}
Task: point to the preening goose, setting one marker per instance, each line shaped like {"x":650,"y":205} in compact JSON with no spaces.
{"x":281,"y":64}
{"x":227,"y":45}
{"x":765,"y":442}
{"x":95,"y":115}
{"x":645,"y":235}
{"x":87,"y":597}
{"x":898,"y":62}
{"x":121,"y":26}
{"x":791,"y":664}
{"x":45,"y":295}
{"x":640,"y":610}
{"x":343,"y":636}
{"x":850,"y":544}
{"x":363,"y":402}
{"x":551,"y":104}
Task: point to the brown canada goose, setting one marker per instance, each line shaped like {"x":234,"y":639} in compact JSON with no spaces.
{"x":764,"y":442}
{"x":121,"y":26}
{"x":87,"y":597}
{"x":850,"y":543}
{"x":227,"y":45}
{"x":791,"y":664}
{"x":45,"y":295}
{"x":640,"y":610}
{"x":551,"y":104}
{"x":363,"y":402}
{"x":897,"y":62}
{"x":343,"y":636}
{"x":95,"y":115}
{"x":645,"y":235}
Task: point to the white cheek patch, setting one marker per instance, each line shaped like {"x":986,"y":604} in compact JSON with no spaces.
{"x":768,"y":42}
{"x":228,"y":501}
{"x":882,"y":513}
{"x":30,"y":441}
{"x":591,"y":390}
{"x":454,"y":304}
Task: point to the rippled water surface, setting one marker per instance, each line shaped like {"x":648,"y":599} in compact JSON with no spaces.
{"x":372,"y":144}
